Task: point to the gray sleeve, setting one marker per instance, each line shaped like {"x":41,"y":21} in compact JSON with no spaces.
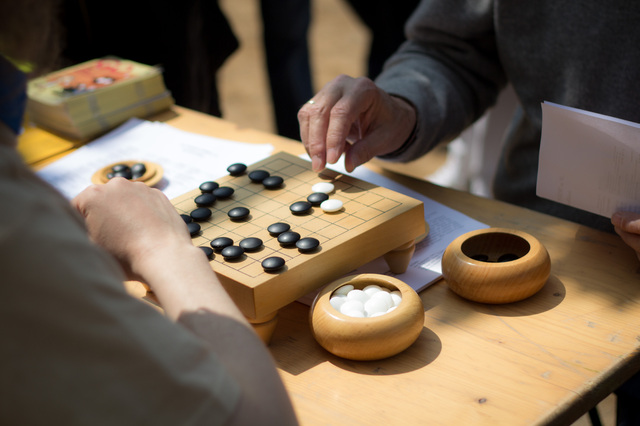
{"x":75,"y":344}
{"x":448,"y":69}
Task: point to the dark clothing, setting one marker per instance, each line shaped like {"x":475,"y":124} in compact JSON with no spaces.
{"x":285,"y":28}
{"x":460,"y":55}
{"x":13,"y":95}
{"x":386,"y":19}
{"x":190,"y":40}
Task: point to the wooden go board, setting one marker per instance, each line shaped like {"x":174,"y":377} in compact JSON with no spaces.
{"x":372,"y":222}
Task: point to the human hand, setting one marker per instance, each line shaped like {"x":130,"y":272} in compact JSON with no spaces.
{"x":627,"y":225}
{"x":354,"y":117}
{"x":132,"y":222}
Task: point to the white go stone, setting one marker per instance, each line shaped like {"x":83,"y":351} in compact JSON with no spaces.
{"x":375,"y":305}
{"x":337,"y":301}
{"x":371,"y":301}
{"x":331,"y":205}
{"x":342,"y":291}
{"x":324,"y":187}
{"x":396,"y":297}
{"x":358,"y":295}
{"x":351,"y":306}
{"x":371,"y":289}
{"x":384,"y":298}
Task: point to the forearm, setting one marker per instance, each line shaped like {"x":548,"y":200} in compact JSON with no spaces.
{"x":184,"y":282}
{"x":449,"y":70}
{"x":191,"y":294}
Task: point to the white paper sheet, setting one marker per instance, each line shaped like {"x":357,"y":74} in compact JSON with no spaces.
{"x":589,"y":161}
{"x":188,"y":159}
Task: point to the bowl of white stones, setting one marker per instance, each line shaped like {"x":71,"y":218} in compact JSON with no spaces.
{"x":366,"y":317}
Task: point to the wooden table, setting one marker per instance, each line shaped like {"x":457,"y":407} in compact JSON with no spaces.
{"x":545,"y":360}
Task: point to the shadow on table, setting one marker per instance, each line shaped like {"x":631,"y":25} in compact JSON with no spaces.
{"x":547,"y":298}
{"x":423,"y":352}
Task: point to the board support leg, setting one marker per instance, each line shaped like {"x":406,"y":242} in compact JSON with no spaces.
{"x":399,"y":259}
{"x":265,"y":326}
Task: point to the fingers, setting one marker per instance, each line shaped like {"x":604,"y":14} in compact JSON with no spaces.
{"x":627,"y":221}
{"x":326,"y":121}
{"x":356,"y":118}
{"x":627,"y":226}
{"x":121,"y":215}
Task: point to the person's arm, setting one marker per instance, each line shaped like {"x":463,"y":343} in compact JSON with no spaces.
{"x":627,"y":226}
{"x":143,"y":231}
{"x":439,"y":82}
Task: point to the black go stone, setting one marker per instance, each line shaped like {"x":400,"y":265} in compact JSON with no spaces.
{"x":272,"y":263}
{"x":307,"y":244}
{"x":120,"y":168}
{"x":221,"y":242}
{"x":238,"y":213}
{"x":258,"y":176}
{"x":200,"y":214}
{"x":206,"y":199}
{"x":124,"y":173}
{"x":138,"y":170}
{"x":317,"y":198}
{"x":186,"y":218}
{"x":273,"y":182}
{"x":251,"y":244}
{"x":208,"y":251}
{"x":300,"y":207}
{"x":193,"y":228}
{"x":288,"y":238}
{"x":278,"y":228}
{"x":236,"y":169}
{"x":223,"y":192}
{"x":209,"y":186}
{"x":232,"y":252}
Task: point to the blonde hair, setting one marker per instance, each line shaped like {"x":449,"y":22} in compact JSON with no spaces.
{"x":30,"y":33}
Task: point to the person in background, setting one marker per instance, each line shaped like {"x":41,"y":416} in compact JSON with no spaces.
{"x":285,"y":33}
{"x":285,"y":27}
{"x":77,"y":348}
{"x":385,"y":20}
{"x":458,"y":57}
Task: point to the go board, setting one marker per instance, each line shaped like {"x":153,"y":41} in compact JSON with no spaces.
{"x":372,"y":222}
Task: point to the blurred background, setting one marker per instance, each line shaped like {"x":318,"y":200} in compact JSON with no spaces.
{"x":338,"y":44}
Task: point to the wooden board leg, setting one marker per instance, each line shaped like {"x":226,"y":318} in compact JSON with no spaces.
{"x":399,"y":259}
{"x":265,"y":326}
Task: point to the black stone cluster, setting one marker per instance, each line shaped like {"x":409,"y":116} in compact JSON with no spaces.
{"x":211,"y":191}
{"x":122,"y":170}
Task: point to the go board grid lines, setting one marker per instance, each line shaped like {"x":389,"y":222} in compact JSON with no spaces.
{"x":268,"y":206}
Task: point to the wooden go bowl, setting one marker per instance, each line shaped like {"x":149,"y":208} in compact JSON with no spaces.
{"x":496,"y":265}
{"x":363,"y":339}
{"x":151,"y":177}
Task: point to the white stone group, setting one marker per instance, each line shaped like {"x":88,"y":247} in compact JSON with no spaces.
{"x":371,"y":301}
